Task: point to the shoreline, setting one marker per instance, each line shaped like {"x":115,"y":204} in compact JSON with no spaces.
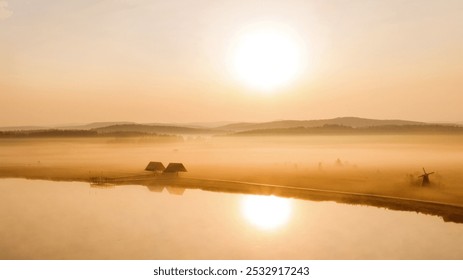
{"x":449,"y":212}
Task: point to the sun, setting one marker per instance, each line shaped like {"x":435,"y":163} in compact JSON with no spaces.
{"x":266,"y":212}
{"x":266,"y":57}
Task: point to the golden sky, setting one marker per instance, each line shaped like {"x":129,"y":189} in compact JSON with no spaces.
{"x":81,"y":61}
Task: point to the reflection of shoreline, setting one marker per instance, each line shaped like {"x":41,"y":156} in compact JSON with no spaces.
{"x":448,"y":212}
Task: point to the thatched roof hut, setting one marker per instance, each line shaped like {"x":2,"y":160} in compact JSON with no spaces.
{"x":175,"y":167}
{"x":155,"y":166}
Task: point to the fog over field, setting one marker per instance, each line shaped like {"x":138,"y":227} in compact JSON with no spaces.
{"x":374,"y":164}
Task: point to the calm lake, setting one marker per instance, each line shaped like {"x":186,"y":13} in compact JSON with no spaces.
{"x":72,"y":220}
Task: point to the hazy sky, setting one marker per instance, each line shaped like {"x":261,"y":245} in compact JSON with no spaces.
{"x":80,"y":61}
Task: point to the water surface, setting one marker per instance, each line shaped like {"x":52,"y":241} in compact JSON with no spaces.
{"x":71,"y":220}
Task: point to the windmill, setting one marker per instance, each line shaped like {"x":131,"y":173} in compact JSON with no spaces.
{"x":425,"y":176}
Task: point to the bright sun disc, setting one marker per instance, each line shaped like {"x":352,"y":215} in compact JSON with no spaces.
{"x":266,"y":58}
{"x":266,"y":212}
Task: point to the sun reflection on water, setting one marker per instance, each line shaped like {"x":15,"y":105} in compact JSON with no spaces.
{"x":266,"y":212}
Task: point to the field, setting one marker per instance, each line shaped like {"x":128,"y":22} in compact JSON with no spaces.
{"x":376,"y":164}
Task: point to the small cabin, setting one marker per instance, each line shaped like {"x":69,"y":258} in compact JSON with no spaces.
{"x":155,"y":166}
{"x":175,"y":168}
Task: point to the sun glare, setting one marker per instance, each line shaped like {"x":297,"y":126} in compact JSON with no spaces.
{"x":266,"y":58}
{"x":266,"y":212}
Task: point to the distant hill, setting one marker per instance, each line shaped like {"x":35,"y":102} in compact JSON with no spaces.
{"x":324,"y":126}
{"x":155,"y":129}
{"x":91,"y":125}
{"x":21,"y":128}
{"x":426,"y":129}
{"x":47,"y":133}
{"x":63,"y":127}
{"x":345,"y":121}
{"x":208,"y":125}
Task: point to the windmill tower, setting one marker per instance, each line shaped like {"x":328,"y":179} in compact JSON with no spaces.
{"x":425,"y":176}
